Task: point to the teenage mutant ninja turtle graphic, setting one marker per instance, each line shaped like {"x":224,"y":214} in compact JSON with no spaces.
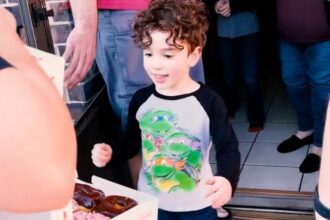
{"x":173,"y":157}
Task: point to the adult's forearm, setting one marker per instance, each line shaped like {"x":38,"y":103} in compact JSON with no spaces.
{"x":84,"y":13}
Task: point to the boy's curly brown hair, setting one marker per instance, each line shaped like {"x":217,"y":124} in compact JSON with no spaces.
{"x":185,"y":20}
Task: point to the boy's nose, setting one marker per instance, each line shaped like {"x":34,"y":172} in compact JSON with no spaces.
{"x":157,"y":64}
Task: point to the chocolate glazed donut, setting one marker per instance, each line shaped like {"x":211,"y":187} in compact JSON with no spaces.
{"x":114,"y":205}
{"x":87,"y":196}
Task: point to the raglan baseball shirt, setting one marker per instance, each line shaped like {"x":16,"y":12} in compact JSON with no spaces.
{"x":175,"y":134}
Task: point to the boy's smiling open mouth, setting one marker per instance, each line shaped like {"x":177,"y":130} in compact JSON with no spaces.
{"x":159,"y":78}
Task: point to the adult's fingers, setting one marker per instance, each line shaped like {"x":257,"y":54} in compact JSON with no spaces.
{"x":72,"y":68}
{"x":81,"y":65}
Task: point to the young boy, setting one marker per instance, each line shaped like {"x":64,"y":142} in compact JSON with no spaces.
{"x":176,"y":120}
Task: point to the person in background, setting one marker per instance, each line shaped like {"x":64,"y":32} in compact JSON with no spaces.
{"x":322,"y":192}
{"x":38,"y":144}
{"x":175,"y":121}
{"x":304,"y":49}
{"x":239,"y":48}
{"x":118,"y":59}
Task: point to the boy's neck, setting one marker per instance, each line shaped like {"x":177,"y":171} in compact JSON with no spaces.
{"x":184,"y":87}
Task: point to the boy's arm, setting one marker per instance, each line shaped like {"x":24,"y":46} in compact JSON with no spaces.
{"x":129,"y":143}
{"x":225,"y":142}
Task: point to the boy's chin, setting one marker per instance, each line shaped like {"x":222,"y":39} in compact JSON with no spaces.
{"x":162,"y":86}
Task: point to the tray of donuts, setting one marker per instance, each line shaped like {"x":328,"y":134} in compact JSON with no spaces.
{"x":104,"y":200}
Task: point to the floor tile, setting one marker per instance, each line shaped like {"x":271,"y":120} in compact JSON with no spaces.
{"x":276,"y":178}
{"x":276,"y":132}
{"x":266,"y":154}
{"x":309,"y":182}
{"x":244,"y":148}
{"x":262,"y":166}
{"x":281,"y":114}
{"x":241,"y":130}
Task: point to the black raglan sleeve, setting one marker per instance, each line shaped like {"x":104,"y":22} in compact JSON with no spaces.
{"x":225,"y":142}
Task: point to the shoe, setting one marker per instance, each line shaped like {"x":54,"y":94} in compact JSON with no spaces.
{"x":310,"y":164}
{"x":224,"y":213}
{"x":294,"y":143}
{"x":256,"y":127}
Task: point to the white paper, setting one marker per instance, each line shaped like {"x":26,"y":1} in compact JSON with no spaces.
{"x":52,"y":64}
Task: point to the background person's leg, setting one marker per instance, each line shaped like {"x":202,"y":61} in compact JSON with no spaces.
{"x":249,"y":47}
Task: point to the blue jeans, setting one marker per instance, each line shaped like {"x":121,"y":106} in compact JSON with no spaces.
{"x":243,"y":52}
{"x":121,"y":62}
{"x":207,"y":213}
{"x":306,"y":74}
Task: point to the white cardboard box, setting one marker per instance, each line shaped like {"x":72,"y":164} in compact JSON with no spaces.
{"x":53,"y":66}
{"x":62,"y":214}
{"x":147,"y":208}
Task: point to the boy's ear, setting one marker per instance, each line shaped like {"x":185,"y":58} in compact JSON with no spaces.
{"x":195,"y":56}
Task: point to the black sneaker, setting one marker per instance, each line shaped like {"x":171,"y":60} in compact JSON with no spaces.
{"x":294,"y":143}
{"x":310,"y":164}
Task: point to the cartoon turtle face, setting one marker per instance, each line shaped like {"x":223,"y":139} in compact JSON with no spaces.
{"x":167,"y":176}
{"x":184,"y":146}
{"x":158,"y":122}
{"x":181,"y":144}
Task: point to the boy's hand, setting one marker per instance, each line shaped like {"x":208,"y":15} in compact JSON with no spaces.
{"x":219,"y":191}
{"x":101,"y":154}
{"x":223,"y":7}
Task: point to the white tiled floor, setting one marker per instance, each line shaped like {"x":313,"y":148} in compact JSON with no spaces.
{"x":262,"y":166}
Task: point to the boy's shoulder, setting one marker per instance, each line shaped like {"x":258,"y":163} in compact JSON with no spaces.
{"x":145,"y":90}
{"x":143,"y":93}
{"x":208,"y":92}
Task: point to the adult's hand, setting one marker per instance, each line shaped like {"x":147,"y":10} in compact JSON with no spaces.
{"x":81,"y":43}
{"x":80,"y":54}
{"x":222,"y":7}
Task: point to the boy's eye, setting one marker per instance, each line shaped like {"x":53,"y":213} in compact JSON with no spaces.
{"x":147,"y":54}
{"x":168,"y":56}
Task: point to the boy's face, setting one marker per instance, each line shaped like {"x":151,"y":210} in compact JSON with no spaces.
{"x":167,"y":66}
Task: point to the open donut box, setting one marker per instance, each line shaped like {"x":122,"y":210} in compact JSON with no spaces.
{"x":147,"y":208}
